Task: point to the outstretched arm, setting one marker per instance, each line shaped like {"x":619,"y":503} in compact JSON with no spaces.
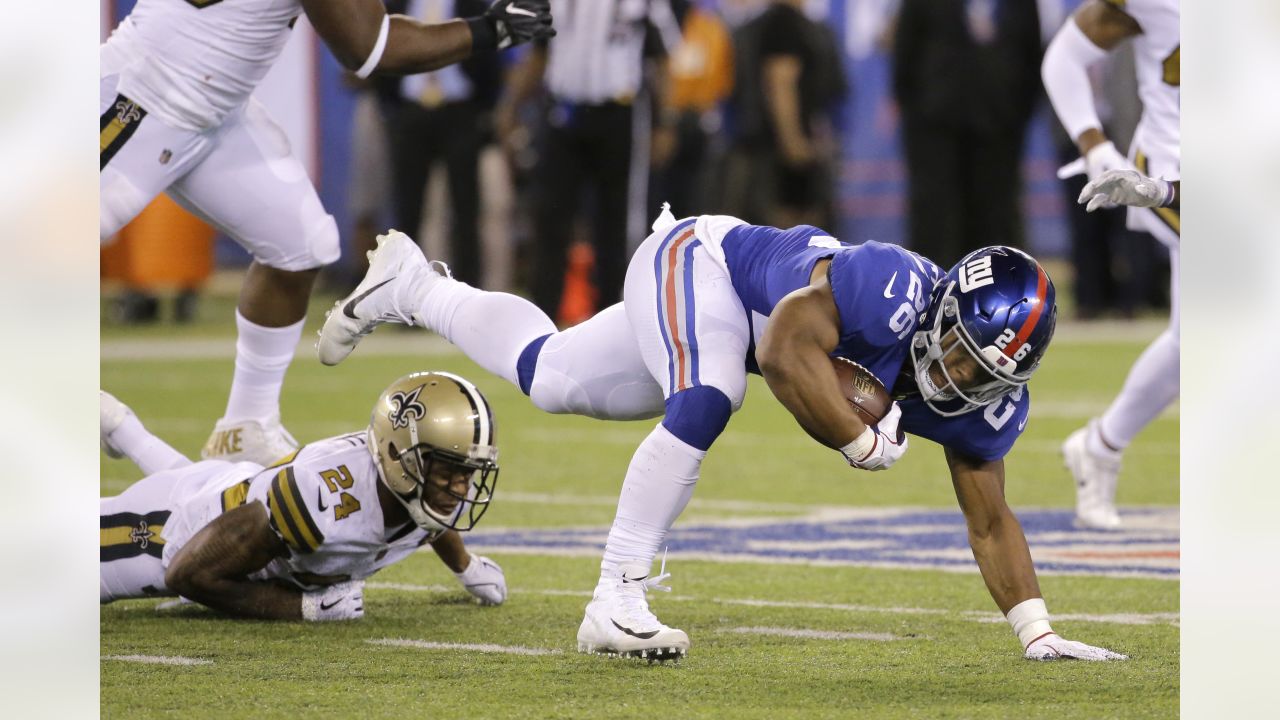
{"x":994,"y":533}
{"x":352,"y":29}
{"x":1004,"y":559}
{"x":478,"y":575}
{"x":366,"y":39}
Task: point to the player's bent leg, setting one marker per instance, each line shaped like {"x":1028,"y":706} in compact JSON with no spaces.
{"x":658,"y":485}
{"x":594,"y":369}
{"x":401,"y":286}
{"x":123,"y":435}
{"x":692,"y":334}
{"x":252,"y":187}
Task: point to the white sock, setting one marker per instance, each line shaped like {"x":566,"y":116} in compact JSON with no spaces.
{"x":659,"y":483}
{"x":491,"y":328}
{"x":263,"y":355}
{"x":148,"y":452}
{"x":1151,"y":386}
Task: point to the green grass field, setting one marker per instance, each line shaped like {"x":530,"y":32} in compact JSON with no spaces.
{"x":881,"y":642}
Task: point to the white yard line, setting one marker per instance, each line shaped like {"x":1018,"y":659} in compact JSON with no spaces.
{"x":813,"y":634}
{"x":1114,"y":618}
{"x":1159,"y":618}
{"x":159,"y":659}
{"x":470,"y":647}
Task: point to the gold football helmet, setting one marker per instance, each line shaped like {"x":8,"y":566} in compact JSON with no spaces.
{"x":431,"y":436}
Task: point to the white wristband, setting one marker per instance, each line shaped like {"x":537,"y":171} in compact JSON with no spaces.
{"x":371,"y":63}
{"x":1030,"y":620}
{"x":1066,"y":78}
{"x":861,"y":447}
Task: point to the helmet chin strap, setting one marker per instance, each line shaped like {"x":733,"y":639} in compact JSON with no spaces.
{"x":420,"y":517}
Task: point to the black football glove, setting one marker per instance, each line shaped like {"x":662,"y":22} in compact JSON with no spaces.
{"x":519,"y":21}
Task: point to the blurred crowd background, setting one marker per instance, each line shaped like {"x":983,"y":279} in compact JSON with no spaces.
{"x":919,"y":122}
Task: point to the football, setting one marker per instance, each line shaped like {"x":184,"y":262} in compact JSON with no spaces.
{"x":868,"y":396}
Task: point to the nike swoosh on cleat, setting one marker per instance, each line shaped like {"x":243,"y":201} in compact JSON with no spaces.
{"x":888,"y":289}
{"x":633,"y":633}
{"x":350,"y":308}
{"x":326,"y":607}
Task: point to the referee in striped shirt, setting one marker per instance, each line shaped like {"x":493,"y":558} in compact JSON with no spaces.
{"x":596,"y":139}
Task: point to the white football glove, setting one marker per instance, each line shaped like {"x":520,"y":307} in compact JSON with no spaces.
{"x":484,"y":579}
{"x":880,"y":445}
{"x":1125,"y":187}
{"x":1051,"y":647}
{"x":341,"y":601}
{"x":1100,"y":158}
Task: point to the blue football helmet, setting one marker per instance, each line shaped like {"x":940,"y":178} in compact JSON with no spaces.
{"x":989,"y":321}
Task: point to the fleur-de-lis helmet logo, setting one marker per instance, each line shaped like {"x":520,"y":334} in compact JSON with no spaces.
{"x":406,"y":408}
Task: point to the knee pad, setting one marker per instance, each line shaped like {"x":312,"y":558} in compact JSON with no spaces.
{"x":321,"y":247}
{"x":323,"y":243}
{"x":698,"y":415}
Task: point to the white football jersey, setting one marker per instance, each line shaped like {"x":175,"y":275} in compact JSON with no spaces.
{"x":323,"y":503}
{"x":1157,"y":55}
{"x":191,"y":62}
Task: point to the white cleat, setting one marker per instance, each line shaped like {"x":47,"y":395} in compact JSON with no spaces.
{"x":264,"y":443}
{"x":396,"y":260}
{"x":111,"y":414}
{"x":618,"y":621}
{"x":1095,"y":477}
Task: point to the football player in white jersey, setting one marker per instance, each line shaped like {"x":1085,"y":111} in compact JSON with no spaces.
{"x":178,"y":116}
{"x":1093,"y":453}
{"x":296,"y":540}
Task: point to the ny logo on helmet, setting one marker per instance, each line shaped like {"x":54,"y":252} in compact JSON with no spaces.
{"x":407,"y":408}
{"x":976,"y":274}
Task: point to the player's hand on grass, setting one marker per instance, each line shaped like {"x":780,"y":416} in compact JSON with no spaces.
{"x":343,"y":601}
{"x":1052,"y":647}
{"x":1125,"y":187}
{"x":485,"y":580}
{"x":519,"y":21}
{"x":880,"y":446}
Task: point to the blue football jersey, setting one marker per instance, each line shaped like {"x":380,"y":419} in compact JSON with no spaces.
{"x":880,"y":291}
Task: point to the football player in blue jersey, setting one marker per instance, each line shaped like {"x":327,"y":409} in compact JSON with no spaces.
{"x":708,"y":299}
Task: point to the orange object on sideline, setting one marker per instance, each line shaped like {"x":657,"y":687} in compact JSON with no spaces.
{"x":578,"y":301}
{"x":164,"y":247}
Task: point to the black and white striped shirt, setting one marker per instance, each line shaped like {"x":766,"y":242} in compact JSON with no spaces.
{"x":597,"y":53}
